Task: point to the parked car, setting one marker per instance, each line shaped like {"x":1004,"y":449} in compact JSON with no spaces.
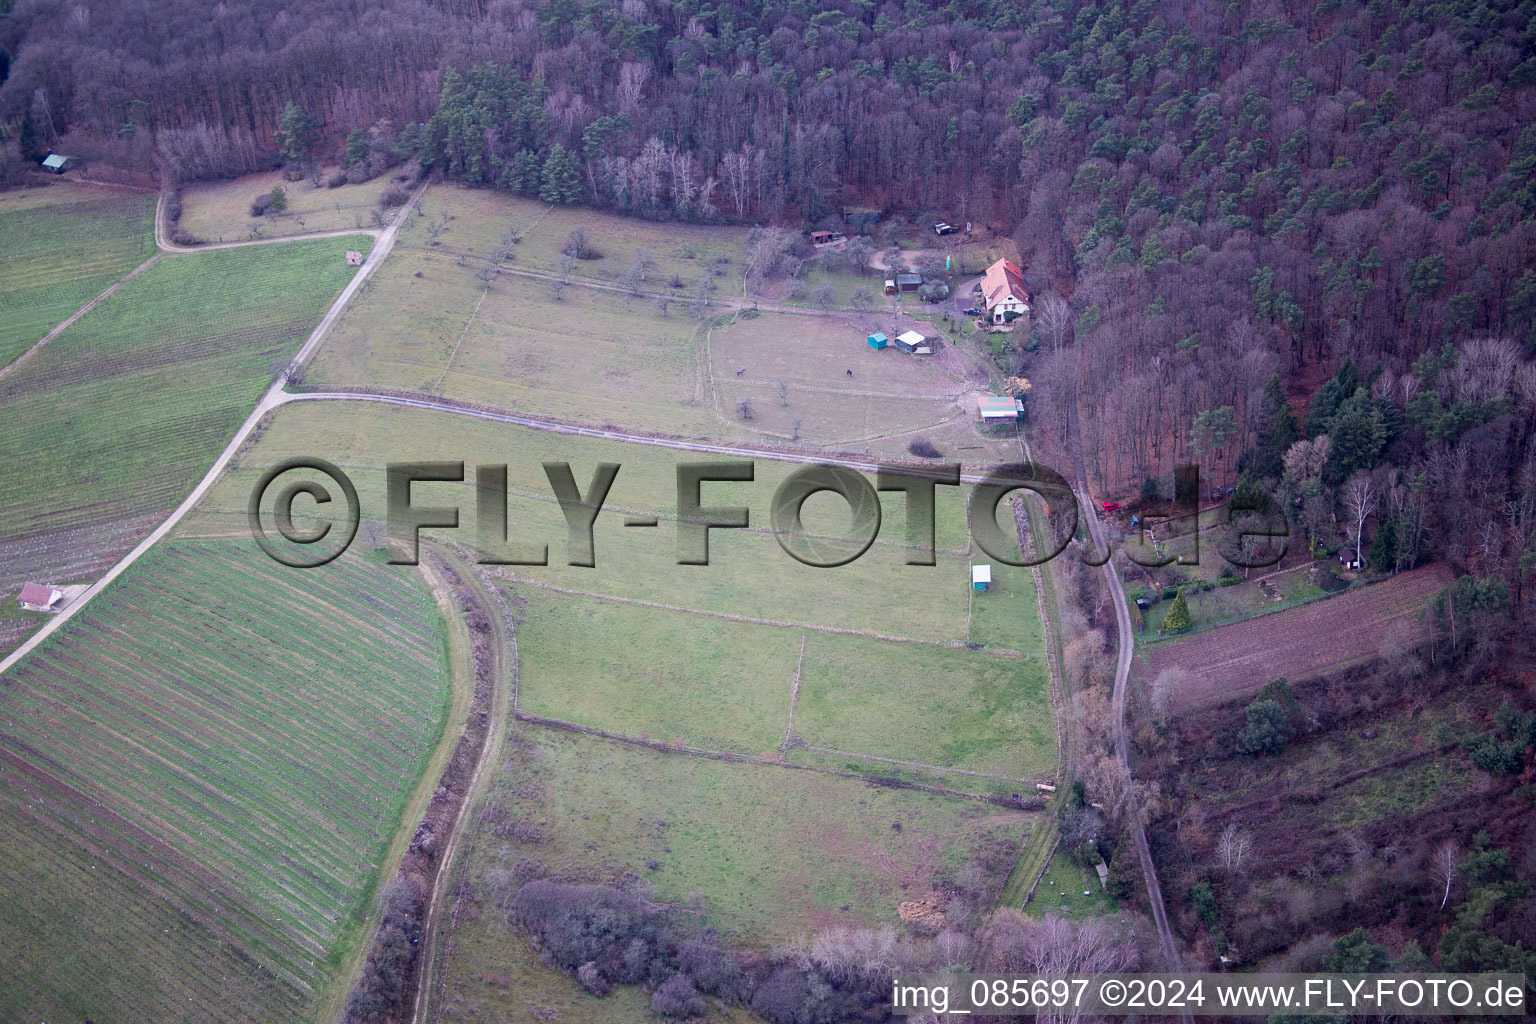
{"x":1111,"y":506}
{"x":970,"y":311}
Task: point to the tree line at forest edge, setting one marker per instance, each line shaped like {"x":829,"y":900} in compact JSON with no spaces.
{"x":1223,"y":192}
{"x":1298,"y":239}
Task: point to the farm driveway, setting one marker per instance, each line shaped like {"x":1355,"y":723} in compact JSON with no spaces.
{"x":274,"y":397}
{"x":163,"y":240}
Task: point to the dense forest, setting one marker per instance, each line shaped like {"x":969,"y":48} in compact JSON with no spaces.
{"x":1293,"y":240}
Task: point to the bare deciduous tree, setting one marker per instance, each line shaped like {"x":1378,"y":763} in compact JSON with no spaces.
{"x":1360,"y":500}
{"x":1233,"y":847}
{"x":1109,"y":783}
{"x":632,"y":78}
{"x":1304,"y":459}
{"x":1086,"y":663}
{"x":578,"y":245}
{"x":1167,"y":688}
{"x":1055,"y":321}
{"x":848,"y":953}
{"x":952,"y":945}
{"x":766,"y":253}
{"x":493,"y":261}
{"x":1012,"y":942}
{"x":782,"y":387}
{"x":1444,"y":865}
{"x":858,"y":253}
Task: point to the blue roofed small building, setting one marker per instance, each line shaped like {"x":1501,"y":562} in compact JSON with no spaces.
{"x":878,"y":341}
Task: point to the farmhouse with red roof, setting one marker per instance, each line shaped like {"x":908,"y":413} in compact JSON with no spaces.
{"x":1002,"y":287}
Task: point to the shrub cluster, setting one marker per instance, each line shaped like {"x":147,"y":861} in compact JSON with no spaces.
{"x":381,"y":992}
{"x":605,"y":936}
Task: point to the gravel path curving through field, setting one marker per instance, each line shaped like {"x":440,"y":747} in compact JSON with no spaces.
{"x":164,"y":244}
{"x":1126,"y":648}
{"x":163,"y":240}
{"x":502,"y":653}
{"x":274,"y":397}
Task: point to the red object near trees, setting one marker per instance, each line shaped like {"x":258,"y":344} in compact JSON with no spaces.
{"x":1111,"y":506}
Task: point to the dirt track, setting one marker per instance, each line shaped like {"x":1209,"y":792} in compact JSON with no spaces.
{"x":1231,"y":662}
{"x":163,"y":238}
{"x":1125,"y":644}
{"x":463,"y":585}
{"x":274,"y":397}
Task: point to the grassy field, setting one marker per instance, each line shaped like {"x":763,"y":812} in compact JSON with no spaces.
{"x":513,"y":346}
{"x":887,"y":392}
{"x":707,"y":655}
{"x":763,"y":854}
{"x":220,"y":211}
{"x":60,"y":247}
{"x":706,"y":681}
{"x":202,"y":773}
{"x":428,"y":323}
{"x":123,"y":412}
{"x":1069,"y":890}
{"x":773,"y":852}
{"x":703,"y":681}
{"x":955,"y":709}
{"x":1033,"y":859}
{"x":749,"y":574}
{"x":476,"y":218}
{"x":1242,"y":600}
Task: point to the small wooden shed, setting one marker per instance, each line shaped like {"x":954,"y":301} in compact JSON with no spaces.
{"x":998,"y":407}
{"x":35,"y":597}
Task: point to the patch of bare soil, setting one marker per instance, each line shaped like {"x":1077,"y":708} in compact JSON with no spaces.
{"x":1231,"y":662}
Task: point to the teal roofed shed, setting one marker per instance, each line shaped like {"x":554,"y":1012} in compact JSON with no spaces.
{"x":878,"y":341}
